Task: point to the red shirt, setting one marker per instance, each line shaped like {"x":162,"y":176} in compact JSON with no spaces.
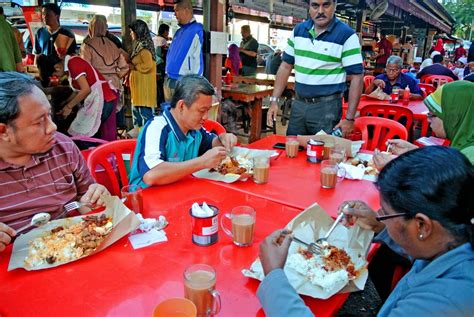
{"x":78,"y":67}
{"x":387,"y":49}
{"x":459,"y":52}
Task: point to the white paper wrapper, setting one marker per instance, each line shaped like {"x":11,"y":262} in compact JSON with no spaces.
{"x":124,"y":221}
{"x":367,"y":157}
{"x":230,"y":178}
{"x":352,"y":147}
{"x":310,"y":225}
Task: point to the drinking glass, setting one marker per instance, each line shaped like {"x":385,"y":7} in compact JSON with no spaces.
{"x":243,"y":225}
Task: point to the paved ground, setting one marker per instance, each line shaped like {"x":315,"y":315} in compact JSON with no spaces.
{"x":362,"y":304}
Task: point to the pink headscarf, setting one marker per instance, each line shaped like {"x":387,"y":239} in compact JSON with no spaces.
{"x":234,"y":58}
{"x":439,"y":45}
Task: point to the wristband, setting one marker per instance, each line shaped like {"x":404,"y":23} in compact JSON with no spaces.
{"x":351,"y":120}
{"x":274,"y":99}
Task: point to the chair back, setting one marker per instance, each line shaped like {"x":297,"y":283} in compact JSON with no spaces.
{"x":376,"y":131}
{"x":404,"y":71}
{"x":107,"y":165}
{"x":368,"y":80}
{"x":400,"y":114}
{"x":436,"y":80}
{"x":427,"y":88}
{"x":214,"y":127}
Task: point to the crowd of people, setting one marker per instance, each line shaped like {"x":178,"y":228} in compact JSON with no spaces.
{"x":425,"y":194}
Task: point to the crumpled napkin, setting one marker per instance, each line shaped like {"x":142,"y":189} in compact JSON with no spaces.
{"x":353,"y":172}
{"x":201,"y":211}
{"x":379,"y":94}
{"x":151,"y":231}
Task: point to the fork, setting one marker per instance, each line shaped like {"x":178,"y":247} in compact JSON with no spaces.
{"x":312,"y":247}
{"x":73,"y":205}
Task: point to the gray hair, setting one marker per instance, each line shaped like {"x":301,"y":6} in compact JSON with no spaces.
{"x":394,"y":59}
{"x":12,"y":86}
{"x":188,"y":89}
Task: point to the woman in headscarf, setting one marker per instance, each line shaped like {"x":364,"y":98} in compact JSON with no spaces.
{"x":108,"y":59}
{"x":142,"y":74}
{"x":232,"y":62}
{"x":451,"y":115}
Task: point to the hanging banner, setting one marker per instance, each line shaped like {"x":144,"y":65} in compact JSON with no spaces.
{"x":33,"y":20}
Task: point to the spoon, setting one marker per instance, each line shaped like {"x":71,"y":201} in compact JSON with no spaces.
{"x":38,"y":220}
{"x":336,"y":222}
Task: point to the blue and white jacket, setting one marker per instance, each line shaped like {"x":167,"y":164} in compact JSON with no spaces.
{"x":185,"y":56}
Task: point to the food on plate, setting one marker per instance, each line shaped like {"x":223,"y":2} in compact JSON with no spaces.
{"x":234,"y":165}
{"x":67,"y":243}
{"x":333,"y":268}
{"x":368,"y":166}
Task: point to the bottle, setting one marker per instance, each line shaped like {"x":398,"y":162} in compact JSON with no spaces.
{"x":406,"y":96}
{"x":228,"y":78}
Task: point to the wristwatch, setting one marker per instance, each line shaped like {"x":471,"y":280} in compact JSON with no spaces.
{"x":351,"y":120}
{"x":272,"y":99}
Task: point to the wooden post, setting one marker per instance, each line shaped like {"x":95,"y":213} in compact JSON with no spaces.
{"x":360,"y":17}
{"x":217,"y":17}
{"x":129,"y":14}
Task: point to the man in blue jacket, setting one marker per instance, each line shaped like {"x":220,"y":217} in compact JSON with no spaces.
{"x":185,"y":55}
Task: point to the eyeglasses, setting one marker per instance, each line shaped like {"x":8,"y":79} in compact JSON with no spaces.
{"x":390,"y":70}
{"x":385,"y":217}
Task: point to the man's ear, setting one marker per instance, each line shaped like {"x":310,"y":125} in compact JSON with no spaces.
{"x":180,"y":106}
{"x":4,"y":132}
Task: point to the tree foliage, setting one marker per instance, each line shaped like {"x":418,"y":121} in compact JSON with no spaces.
{"x":463,"y":12}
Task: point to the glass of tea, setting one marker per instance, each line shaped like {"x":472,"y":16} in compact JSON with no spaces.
{"x":331,"y":174}
{"x":133,"y":197}
{"x":175,"y":307}
{"x":291,"y":146}
{"x":200,"y":288}
{"x":337,"y":154}
{"x":261,"y":168}
{"x":243,"y":225}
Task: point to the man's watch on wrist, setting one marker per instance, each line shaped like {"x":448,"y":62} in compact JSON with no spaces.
{"x":274,"y":99}
{"x":351,"y":120}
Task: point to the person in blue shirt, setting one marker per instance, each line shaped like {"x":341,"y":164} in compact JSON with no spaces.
{"x":426,"y":214}
{"x":395,"y":78}
{"x":175,"y":144}
{"x":185,"y":55}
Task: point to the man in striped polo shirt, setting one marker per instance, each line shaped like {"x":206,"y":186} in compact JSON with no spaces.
{"x":323,"y":51}
{"x":40,"y":170}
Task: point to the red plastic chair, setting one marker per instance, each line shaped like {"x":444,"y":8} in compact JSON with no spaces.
{"x":436,"y":80}
{"x":427,"y":89}
{"x":213,"y":126}
{"x":404,"y":71}
{"x":400,"y":114}
{"x":107,"y":165}
{"x":381,"y":130}
{"x":368,"y":80}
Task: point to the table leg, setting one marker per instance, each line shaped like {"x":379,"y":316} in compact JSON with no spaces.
{"x":256,"y":122}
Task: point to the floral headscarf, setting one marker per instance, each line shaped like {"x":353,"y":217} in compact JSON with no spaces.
{"x":143,"y":40}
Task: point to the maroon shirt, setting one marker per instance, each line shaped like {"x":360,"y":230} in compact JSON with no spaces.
{"x":387,"y":49}
{"x":45,"y":184}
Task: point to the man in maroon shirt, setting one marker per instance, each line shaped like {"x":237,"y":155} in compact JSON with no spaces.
{"x":385,"y":50}
{"x":40,"y":170}
{"x":460,"y":52}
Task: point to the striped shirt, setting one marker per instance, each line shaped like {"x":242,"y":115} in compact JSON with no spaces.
{"x":322,"y":62}
{"x":45,"y":184}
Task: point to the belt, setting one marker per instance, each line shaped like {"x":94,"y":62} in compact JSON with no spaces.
{"x":320,"y":98}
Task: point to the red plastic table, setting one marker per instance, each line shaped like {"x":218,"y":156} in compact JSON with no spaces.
{"x":121,"y":281}
{"x":296,"y":183}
